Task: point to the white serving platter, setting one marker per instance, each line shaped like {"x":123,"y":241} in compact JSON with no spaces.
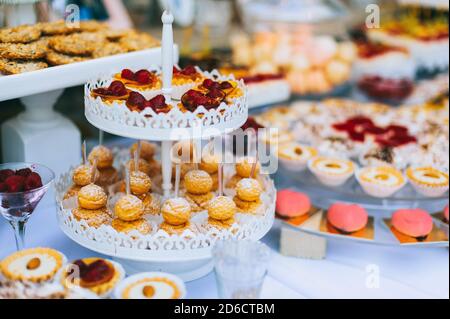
{"x":64,"y":76}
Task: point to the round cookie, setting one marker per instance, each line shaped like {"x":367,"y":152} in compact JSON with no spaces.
{"x":20,"y":34}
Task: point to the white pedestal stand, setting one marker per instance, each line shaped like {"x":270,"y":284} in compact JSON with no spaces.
{"x":41,"y":135}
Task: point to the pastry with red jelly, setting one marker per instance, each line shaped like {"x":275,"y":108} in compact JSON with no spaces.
{"x":136,"y":102}
{"x":347,"y":219}
{"x":95,"y":274}
{"x":415,"y":223}
{"x":116,"y":91}
{"x":141,"y":80}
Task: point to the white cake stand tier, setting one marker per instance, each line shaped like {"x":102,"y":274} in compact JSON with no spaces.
{"x":116,"y":118}
{"x":188,"y":254}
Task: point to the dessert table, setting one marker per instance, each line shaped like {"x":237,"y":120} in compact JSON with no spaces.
{"x":350,"y":270}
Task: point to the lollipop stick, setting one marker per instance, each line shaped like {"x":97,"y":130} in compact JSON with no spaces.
{"x":127,"y":181}
{"x":177,"y":179}
{"x":94,"y":170}
{"x":83,"y":152}
{"x":139,"y":147}
{"x":136,"y":160}
{"x":220,"y":179}
{"x":255,"y":164}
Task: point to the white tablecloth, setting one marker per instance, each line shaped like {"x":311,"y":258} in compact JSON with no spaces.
{"x":347,"y":272}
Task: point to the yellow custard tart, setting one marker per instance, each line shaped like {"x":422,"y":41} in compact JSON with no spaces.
{"x":34,"y":265}
{"x":380,"y":181}
{"x":295,"y":157}
{"x":98,"y":275}
{"x":428,"y":181}
{"x":331,"y":171}
{"x":151,"y":286}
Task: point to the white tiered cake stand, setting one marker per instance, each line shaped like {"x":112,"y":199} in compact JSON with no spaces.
{"x":188,"y":255}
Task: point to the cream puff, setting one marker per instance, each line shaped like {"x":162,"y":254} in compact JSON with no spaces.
{"x":103,"y":155}
{"x":92,"y":197}
{"x":129,"y":208}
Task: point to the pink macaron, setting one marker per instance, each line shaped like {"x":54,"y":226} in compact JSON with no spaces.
{"x":416,"y":223}
{"x":347,"y":218}
{"x":446,"y":214}
{"x":292,"y":204}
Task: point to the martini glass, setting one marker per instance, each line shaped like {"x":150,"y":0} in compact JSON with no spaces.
{"x":18,"y":207}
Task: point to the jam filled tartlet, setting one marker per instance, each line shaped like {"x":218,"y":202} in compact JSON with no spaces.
{"x":151,"y":286}
{"x":35,"y":265}
{"x":295,"y":156}
{"x":331,"y":171}
{"x":95,"y":274}
{"x":142,"y":80}
{"x":185,"y":79}
{"x":428,"y":181}
{"x":116,"y":91}
{"x":381,"y":181}
{"x":137,"y":102}
{"x":347,"y":219}
{"x":415,"y":223}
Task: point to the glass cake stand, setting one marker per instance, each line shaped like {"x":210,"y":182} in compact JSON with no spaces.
{"x":324,"y":196}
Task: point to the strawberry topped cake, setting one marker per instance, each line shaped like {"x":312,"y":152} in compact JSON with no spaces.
{"x":141,"y":80}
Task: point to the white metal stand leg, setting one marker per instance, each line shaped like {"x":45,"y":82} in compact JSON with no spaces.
{"x":41,"y":135}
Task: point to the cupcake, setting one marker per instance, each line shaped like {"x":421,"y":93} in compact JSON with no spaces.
{"x":151,"y":286}
{"x":331,"y":171}
{"x":295,"y":157}
{"x":347,"y":219}
{"x":292,"y":204}
{"x":428,"y":181}
{"x":33,"y":265}
{"x":98,"y":275}
{"x":380,"y":181}
{"x":415,"y":223}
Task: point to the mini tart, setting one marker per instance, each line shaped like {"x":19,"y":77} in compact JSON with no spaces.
{"x":381,"y":181}
{"x":105,"y":286}
{"x":428,"y":181}
{"x":152,"y":288}
{"x":155,"y":84}
{"x":141,"y":225}
{"x":331,"y":171}
{"x":295,"y":156}
{"x":92,"y":197}
{"x":93,"y":217}
{"x":111,"y":98}
{"x":35,"y":265}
